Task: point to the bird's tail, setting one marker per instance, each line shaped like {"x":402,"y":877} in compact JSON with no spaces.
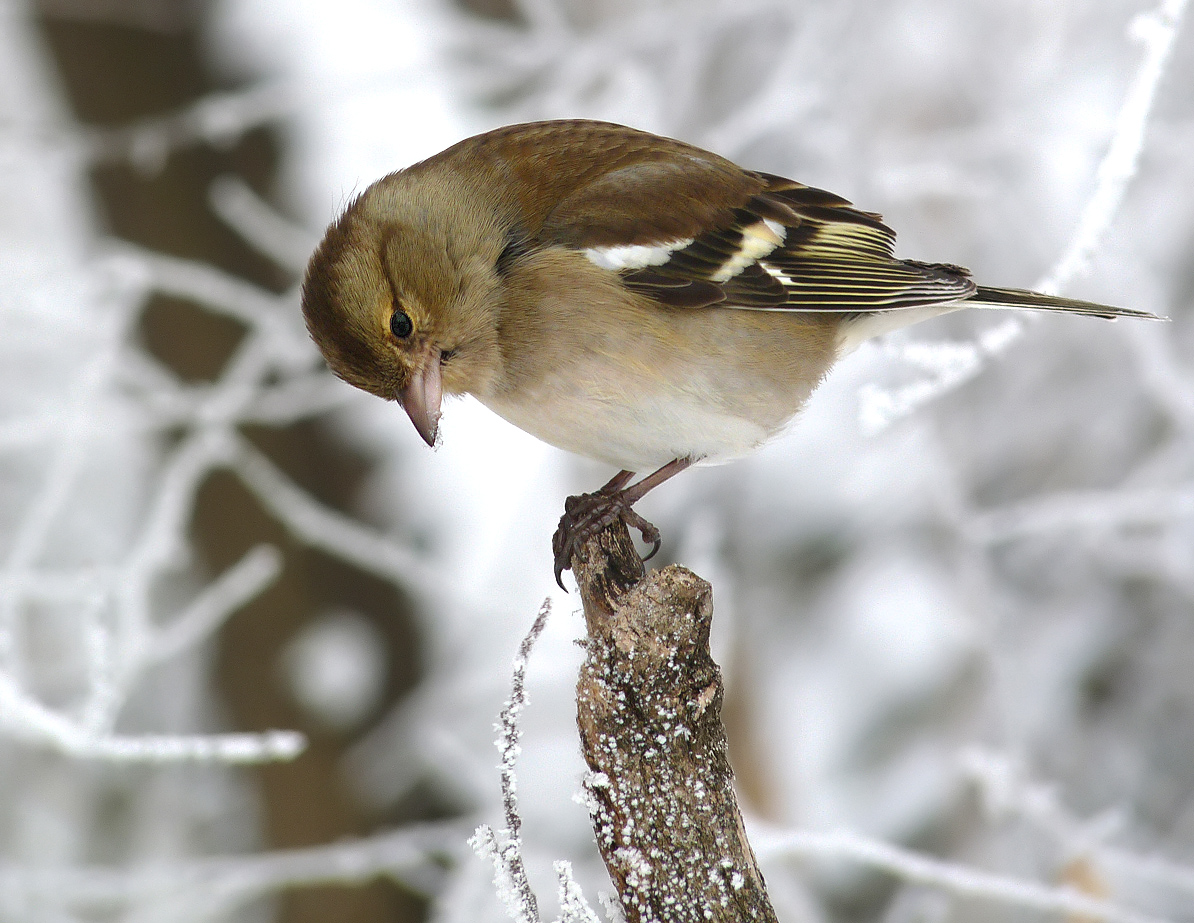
{"x":987,"y":297}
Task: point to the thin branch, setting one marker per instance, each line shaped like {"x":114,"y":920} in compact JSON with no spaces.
{"x":1158,"y":31}
{"x":959,"y":880}
{"x":1087,"y":510}
{"x":219,"y":118}
{"x":504,"y":847}
{"x":26,"y":719}
{"x":239,"y":206}
{"x":219,"y":292}
{"x":235,"y":587}
{"x":48,"y":501}
{"x":407,"y":855}
{"x":509,"y":749}
{"x":573,"y":906}
{"x":264,"y":747}
{"x":1007,"y":791}
{"x":331,"y":531}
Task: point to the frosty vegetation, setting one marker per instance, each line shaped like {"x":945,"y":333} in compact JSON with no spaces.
{"x":955,"y":605}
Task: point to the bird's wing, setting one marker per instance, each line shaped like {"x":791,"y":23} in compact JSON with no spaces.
{"x":757,"y":241}
{"x":691,"y":229}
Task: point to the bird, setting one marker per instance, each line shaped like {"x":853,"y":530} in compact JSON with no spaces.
{"x":624,"y":296}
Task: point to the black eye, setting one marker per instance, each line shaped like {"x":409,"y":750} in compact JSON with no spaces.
{"x":400,"y":325}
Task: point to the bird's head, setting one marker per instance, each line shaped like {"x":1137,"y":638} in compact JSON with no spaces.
{"x":402,"y":295}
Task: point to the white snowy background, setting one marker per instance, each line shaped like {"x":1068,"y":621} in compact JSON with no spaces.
{"x":955,"y":604}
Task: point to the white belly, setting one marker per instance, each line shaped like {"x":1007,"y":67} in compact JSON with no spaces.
{"x":638,"y":434}
{"x":626,"y":381}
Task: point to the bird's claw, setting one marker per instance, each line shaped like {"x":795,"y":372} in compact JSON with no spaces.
{"x":587,"y":514}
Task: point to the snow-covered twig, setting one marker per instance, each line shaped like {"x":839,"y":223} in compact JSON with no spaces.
{"x":26,"y":719}
{"x":1157,"y":31}
{"x":259,"y":225}
{"x":959,"y":880}
{"x":314,"y":523}
{"x":243,"y":581}
{"x":219,"y":118}
{"x":1007,"y":791}
{"x":504,"y":848}
{"x":574,"y":908}
{"x":1088,"y":510}
{"x":220,"y":293}
{"x":407,"y":855}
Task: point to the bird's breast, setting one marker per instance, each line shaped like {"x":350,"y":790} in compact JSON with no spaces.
{"x":594,"y":369}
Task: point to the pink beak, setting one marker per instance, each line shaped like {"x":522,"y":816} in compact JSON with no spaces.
{"x":422,"y":395}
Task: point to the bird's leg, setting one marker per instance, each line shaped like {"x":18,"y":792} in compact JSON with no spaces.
{"x":587,"y":514}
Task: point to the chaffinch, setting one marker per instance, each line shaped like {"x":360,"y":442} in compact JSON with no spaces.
{"x":627,"y":297}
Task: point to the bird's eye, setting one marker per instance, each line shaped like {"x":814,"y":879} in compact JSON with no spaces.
{"x":400,"y":325}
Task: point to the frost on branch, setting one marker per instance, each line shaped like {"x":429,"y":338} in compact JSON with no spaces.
{"x":505,"y":847}
{"x":950,"y":365}
{"x":649,"y":710}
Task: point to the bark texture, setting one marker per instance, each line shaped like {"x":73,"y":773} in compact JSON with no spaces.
{"x":649,"y":711}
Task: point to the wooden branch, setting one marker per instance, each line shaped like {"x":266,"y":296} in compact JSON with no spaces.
{"x":649,"y":711}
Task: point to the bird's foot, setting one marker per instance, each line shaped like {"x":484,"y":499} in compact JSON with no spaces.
{"x":587,"y":514}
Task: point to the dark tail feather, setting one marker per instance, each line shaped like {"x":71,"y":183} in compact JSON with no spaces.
{"x":1022,"y":298}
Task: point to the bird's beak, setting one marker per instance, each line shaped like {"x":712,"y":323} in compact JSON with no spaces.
{"x":422,"y":395}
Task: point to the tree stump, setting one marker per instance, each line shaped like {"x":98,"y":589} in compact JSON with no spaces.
{"x":649,"y":710}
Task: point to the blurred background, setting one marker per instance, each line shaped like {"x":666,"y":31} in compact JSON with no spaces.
{"x":955,"y":604}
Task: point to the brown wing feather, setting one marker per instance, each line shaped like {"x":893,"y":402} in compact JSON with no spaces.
{"x":581,"y":183}
{"x":584,"y":185}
